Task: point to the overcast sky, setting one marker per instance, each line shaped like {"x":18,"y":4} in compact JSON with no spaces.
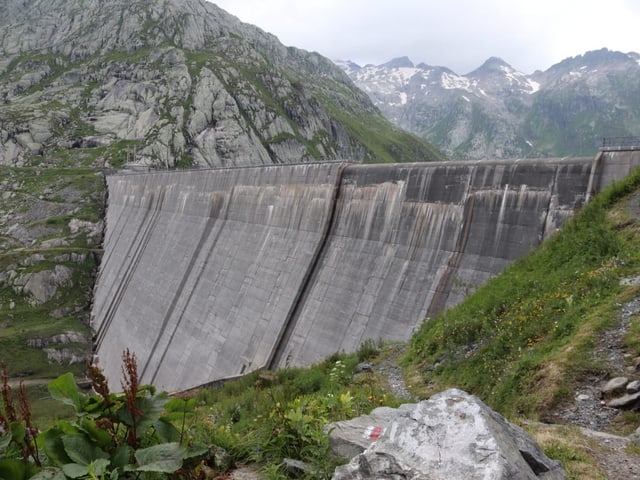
{"x":460,"y":34}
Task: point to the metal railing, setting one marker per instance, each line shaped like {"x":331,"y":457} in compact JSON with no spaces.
{"x":620,"y":142}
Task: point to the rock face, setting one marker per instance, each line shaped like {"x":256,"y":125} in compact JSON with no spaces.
{"x":50,"y":238}
{"x":166,"y":82}
{"x":350,"y":438}
{"x":621,"y":393}
{"x":453,"y":435}
{"x":43,"y":285}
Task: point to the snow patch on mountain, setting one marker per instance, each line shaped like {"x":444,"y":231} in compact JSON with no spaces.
{"x":452,"y":82}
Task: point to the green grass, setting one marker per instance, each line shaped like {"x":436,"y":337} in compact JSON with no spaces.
{"x":25,"y":322}
{"x":578,"y":454}
{"x":383,"y":142}
{"x":521,"y":342}
{"x":267,"y":416}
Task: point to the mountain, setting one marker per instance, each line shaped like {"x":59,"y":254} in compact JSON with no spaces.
{"x":175,"y":82}
{"x":496,"y":111}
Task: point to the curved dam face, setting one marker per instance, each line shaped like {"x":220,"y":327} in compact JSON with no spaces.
{"x":211,"y":274}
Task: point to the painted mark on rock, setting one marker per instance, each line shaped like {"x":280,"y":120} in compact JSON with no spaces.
{"x":373,"y":432}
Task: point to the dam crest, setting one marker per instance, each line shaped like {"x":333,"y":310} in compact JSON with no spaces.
{"x":210,"y":274}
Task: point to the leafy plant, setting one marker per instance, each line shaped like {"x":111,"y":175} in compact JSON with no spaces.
{"x":118,"y":436}
{"x":267,"y":417}
{"x":20,"y":457}
{"x":128,"y":435}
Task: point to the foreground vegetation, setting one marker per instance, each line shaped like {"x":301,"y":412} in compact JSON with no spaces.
{"x":264,"y":418}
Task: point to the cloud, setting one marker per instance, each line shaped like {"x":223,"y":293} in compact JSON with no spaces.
{"x":458,"y":34}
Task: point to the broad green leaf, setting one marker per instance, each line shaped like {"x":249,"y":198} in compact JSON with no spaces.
{"x":196,"y":450}
{"x":51,"y":443}
{"x":165,"y":431}
{"x":94,"y":405}
{"x":65,"y":390}
{"x":81,"y":450}
{"x":73,"y":470}
{"x":166,"y":458}
{"x":98,"y":435}
{"x":12,"y":469}
{"x":121,"y":457}
{"x":66,"y":427}
{"x":98,"y":467}
{"x":18,"y":432}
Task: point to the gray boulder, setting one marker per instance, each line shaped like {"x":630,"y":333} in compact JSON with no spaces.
{"x":349,"y":438}
{"x":453,"y":435}
{"x":42,"y":286}
{"x":626,"y":402}
{"x":615,"y":385}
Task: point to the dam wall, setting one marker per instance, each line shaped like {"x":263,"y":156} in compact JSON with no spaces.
{"x":210,"y":274}
{"x":201,"y":268}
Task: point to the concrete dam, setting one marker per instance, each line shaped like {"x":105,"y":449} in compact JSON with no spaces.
{"x":210,"y":274}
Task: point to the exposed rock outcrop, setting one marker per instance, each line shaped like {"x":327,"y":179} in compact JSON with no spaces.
{"x":167,"y":82}
{"x":451,"y":435}
{"x":64,"y":348}
{"x":42,"y":286}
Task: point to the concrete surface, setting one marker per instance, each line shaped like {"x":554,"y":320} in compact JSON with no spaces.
{"x":211,"y":274}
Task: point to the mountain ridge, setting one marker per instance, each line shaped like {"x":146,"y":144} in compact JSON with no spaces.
{"x":495,"y":111}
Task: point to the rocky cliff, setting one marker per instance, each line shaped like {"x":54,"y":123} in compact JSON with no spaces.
{"x":175,"y":82}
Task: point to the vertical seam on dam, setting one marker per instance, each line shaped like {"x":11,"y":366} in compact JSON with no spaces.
{"x":131,"y":267}
{"x":439,"y":299}
{"x":549,"y":205}
{"x":595,"y":170}
{"x":290,"y":321}
{"x":203,"y":238}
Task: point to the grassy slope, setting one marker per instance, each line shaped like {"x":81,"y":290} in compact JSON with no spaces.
{"x":40,"y":202}
{"x":523,"y":341}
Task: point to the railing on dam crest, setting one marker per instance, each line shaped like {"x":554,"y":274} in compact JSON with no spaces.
{"x":620,"y":143}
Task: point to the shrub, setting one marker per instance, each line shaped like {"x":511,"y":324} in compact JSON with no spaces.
{"x":367,"y":350}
